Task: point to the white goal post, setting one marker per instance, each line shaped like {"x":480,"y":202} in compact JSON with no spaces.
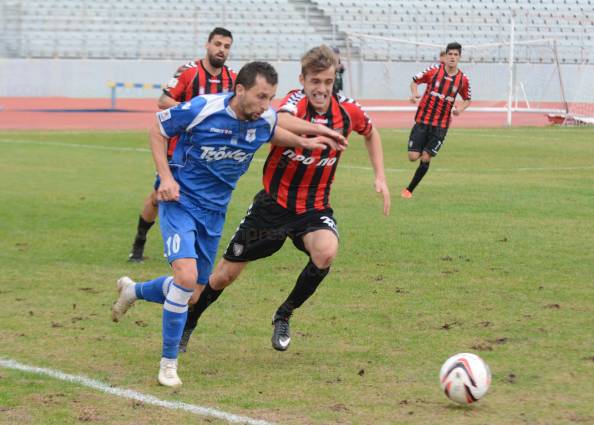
{"x":534,"y":85}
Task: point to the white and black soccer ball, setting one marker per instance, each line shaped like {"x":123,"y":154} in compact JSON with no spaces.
{"x":465,"y":378}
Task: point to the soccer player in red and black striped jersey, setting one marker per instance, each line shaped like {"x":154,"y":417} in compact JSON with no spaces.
{"x":432,"y":120}
{"x":295,"y":201}
{"x":205,"y":76}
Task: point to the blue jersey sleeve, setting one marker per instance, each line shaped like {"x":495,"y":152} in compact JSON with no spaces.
{"x":176,"y":120}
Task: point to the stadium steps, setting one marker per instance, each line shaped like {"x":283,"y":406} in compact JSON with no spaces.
{"x":323,"y":24}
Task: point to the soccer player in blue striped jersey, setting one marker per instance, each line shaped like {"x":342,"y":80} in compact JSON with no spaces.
{"x":219,"y":135}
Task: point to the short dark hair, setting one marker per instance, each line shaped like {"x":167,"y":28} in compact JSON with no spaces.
{"x":220,"y":31}
{"x":454,"y":46}
{"x":248,"y":73}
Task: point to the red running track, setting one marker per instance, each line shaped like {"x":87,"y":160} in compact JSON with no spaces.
{"x":57,"y":113}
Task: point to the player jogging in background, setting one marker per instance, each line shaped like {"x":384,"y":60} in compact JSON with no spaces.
{"x":432,"y":120}
{"x":219,"y":135}
{"x":205,"y":76}
{"x":295,"y":201}
{"x":442,"y":56}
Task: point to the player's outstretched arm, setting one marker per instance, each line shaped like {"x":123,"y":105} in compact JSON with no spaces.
{"x":298,"y":126}
{"x":168,"y":188}
{"x":373,"y":143}
{"x":288,"y":139}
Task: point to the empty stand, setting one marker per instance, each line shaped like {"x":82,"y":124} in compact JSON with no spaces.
{"x":282,"y":29}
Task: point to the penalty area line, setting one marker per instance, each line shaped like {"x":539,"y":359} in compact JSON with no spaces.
{"x":130,"y":394}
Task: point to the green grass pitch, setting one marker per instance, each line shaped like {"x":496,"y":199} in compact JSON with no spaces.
{"x":493,"y":255}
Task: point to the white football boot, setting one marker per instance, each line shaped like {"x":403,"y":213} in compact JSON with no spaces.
{"x":126,"y":298}
{"x":168,"y":373}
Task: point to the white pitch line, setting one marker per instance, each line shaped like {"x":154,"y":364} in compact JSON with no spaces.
{"x":130,"y":394}
{"x":343,"y":166}
{"x":73,"y":145}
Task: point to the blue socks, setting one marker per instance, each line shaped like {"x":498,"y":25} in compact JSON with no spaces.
{"x":175,"y":299}
{"x":175,"y":312}
{"x":154,"y":290}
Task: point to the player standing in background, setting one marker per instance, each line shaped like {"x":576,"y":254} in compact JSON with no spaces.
{"x":219,"y":135}
{"x":339,"y":80}
{"x":432,"y":120}
{"x":205,"y":76}
{"x":295,"y":201}
{"x":442,"y":56}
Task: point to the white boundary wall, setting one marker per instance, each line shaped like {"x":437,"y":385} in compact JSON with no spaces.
{"x":371,"y":80}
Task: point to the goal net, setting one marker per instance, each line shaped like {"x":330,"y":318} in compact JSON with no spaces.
{"x":517,"y":77}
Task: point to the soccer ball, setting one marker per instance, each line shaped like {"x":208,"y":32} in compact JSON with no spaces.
{"x":465,"y":378}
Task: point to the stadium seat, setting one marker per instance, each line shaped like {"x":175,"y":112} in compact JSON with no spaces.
{"x":162,"y":29}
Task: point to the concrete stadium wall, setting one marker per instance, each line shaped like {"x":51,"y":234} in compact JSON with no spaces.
{"x":370,"y":80}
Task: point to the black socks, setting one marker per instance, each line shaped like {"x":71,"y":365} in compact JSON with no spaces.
{"x":143,"y":228}
{"x":207,"y":297}
{"x":419,"y":174}
{"x":306,"y":285}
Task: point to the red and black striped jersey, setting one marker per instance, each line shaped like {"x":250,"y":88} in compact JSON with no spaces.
{"x":436,"y":105}
{"x":191,"y":80}
{"x":300,"y":179}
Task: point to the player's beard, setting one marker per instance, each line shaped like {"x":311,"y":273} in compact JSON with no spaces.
{"x":216,"y":61}
{"x":248,"y":112}
{"x":254,"y":116}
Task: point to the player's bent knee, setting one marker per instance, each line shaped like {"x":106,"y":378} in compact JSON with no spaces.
{"x":413,"y":156}
{"x":426,"y":157}
{"x":152,"y":200}
{"x":185,"y":276}
{"x":226,"y":278}
{"x":324,"y":259}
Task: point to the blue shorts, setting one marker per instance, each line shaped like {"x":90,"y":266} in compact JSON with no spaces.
{"x":191,"y":232}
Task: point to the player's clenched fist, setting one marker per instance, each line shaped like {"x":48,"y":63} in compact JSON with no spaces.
{"x":168,"y":190}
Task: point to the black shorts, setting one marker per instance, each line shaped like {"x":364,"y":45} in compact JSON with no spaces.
{"x":267,"y":225}
{"x":426,"y":138}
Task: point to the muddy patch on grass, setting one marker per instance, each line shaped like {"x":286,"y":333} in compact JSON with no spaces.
{"x":448,"y":326}
{"x":482,"y":346}
{"x":89,"y":414}
{"x":339,"y":408}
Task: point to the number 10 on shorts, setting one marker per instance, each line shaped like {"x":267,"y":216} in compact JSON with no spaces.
{"x":173,"y":243}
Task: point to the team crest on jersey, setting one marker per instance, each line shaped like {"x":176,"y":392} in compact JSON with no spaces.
{"x":250,"y":136}
{"x":454,"y":88}
{"x":237,"y":249}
